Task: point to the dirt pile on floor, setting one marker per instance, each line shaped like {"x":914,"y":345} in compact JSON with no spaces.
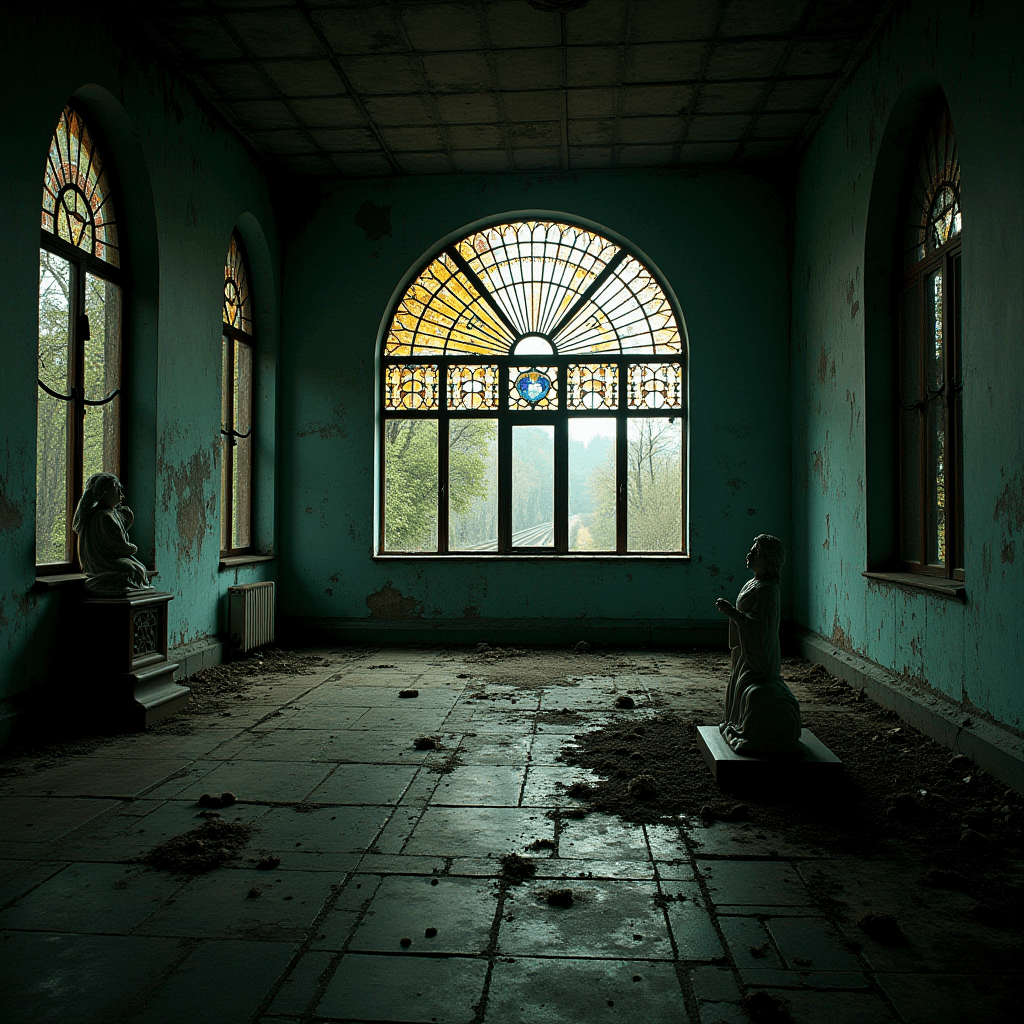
{"x":201,"y":849}
{"x":900,"y":787}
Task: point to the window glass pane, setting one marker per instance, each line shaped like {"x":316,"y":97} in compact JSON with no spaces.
{"x":56,"y":282}
{"x":228,"y":453}
{"x":935,"y":360}
{"x":101,"y":434}
{"x":473,"y":387}
{"x":411,"y":387}
{"x":655,"y":386}
{"x":593,"y":386}
{"x":473,"y":485}
{"x":241,"y":504}
{"x":533,"y":486}
{"x":533,"y":387}
{"x":911,"y":425}
{"x":410,"y":485}
{"x":654,"y":480}
{"x":592,"y":484}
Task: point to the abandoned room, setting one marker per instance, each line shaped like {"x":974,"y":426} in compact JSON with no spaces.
{"x":509,"y":512}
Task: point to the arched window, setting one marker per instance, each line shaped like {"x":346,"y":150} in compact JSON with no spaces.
{"x":930,"y":362}
{"x":236,"y":404}
{"x":533,"y":388}
{"x":79,"y":370}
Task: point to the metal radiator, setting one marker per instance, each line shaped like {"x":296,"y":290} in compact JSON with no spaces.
{"x":251,"y":616}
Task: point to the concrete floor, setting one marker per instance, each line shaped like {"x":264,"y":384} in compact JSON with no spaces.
{"x":667,"y":925}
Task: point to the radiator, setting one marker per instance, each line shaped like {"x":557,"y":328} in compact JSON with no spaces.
{"x":251,"y":616}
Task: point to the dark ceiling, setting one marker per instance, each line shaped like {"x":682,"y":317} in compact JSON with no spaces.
{"x":353,"y":88}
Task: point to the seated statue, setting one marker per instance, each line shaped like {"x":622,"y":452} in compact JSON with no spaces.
{"x":762,"y":717}
{"x":102,"y":524}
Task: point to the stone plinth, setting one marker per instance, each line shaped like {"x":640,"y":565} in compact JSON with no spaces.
{"x":124,"y":643}
{"x":814,"y":763}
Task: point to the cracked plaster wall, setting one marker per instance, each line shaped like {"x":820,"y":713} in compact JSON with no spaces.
{"x":186,"y":183}
{"x":731,"y":282}
{"x":972,"y":653}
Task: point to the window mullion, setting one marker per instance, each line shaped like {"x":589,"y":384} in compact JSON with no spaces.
{"x":561,"y":468}
{"x":621,"y":467}
{"x":443,"y":461}
{"x":924,"y":490}
{"x":77,"y":409}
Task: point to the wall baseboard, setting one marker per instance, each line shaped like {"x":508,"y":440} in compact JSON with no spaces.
{"x":989,"y":745}
{"x":196,"y":656}
{"x":307,"y":631}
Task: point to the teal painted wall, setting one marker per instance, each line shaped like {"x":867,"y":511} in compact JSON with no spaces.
{"x":186,"y":183}
{"x":721,"y":242}
{"x":842,"y":494}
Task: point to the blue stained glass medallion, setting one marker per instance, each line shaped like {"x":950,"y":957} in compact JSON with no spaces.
{"x":533,"y":385}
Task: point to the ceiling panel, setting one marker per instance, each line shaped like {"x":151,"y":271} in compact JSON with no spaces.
{"x":338,"y":88}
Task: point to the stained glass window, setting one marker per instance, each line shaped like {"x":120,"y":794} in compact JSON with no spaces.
{"x":930,"y":386}
{"x":78,"y":408}
{"x":76,"y":193}
{"x":237,"y":369}
{"x":520,"y":325}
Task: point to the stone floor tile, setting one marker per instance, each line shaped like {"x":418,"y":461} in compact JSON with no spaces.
{"x":749,"y":942}
{"x":97,"y":776}
{"x":461,"y":909}
{"x":56,"y":978}
{"x":723,"y":1013}
{"x":769,"y":978}
{"x":481,"y":786}
{"x":547,"y":785}
{"x":694,"y":934}
{"x":602,"y":835}
{"x":244,"y":904}
{"x":714,"y":984}
{"x":807,"y":1007}
{"x":221,"y":982}
{"x":276,"y":745}
{"x":666,"y":843}
{"x":561,"y":991}
{"x":334,"y":929}
{"x":260,"y":780}
{"x":563,"y":867}
{"x":108,"y":898}
{"x":490,"y":749}
{"x":954,"y":998}
{"x":380,"y":864}
{"x":43,"y":819}
{"x":673,"y":871}
{"x":548,"y":748}
{"x":476,"y":831}
{"x":323,"y":829}
{"x":608,"y":919}
{"x":18,"y":877}
{"x":428,"y":989}
{"x":767,"y":883}
{"x":411,"y":721}
{"x":300,"y":985}
{"x":365,"y":784}
{"x":375,"y":747}
{"x":741,"y":839}
{"x":811,"y":944}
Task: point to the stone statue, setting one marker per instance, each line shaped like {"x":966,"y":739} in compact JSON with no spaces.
{"x":102,"y":524}
{"x":762,"y":717}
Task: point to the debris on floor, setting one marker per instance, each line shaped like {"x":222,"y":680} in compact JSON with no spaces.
{"x":405,"y":943}
{"x":267,"y":863}
{"x":408,"y":693}
{"x":541,"y":844}
{"x":427,"y":742}
{"x":582,"y":647}
{"x":558,"y":898}
{"x":217,"y":800}
{"x":883,"y":928}
{"x":516,"y":869}
{"x":643,"y":787}
{"x":200,"y":849}
{"x":625,"y":702}
{"x":430,"y":932}
{"x":766,"y":1008}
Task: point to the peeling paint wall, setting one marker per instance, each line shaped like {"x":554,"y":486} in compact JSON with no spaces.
{"x":972,"y":653}
{"x":732,"y":285}
{"x":185,"y":182}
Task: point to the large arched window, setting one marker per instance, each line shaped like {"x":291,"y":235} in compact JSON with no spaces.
{"x":236,"y":404}
{"x":533,"y":388}
{"x":79,"y":370}
{"x":930,"y":362}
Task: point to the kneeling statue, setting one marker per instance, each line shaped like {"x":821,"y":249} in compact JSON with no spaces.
{"x":102,"y":524}
{"x":762,"y":717}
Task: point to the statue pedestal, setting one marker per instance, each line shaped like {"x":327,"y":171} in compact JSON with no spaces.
{"x":125,"y":640}
{"x":815,"y":763}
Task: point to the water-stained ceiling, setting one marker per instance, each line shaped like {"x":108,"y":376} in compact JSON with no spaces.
{"x":355,"y":88}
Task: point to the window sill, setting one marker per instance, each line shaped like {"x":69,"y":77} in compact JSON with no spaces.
{"x":533,"y":557}
{"x":955,"y":589}
{"x":237,"y":561}
{"x":66,"y":579}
